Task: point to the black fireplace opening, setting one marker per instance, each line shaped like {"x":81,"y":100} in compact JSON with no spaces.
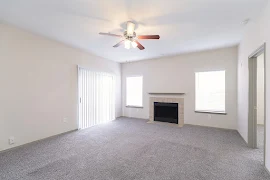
{"x":166,"y":112}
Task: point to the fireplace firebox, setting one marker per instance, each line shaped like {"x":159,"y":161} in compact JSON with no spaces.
{"x":166,"y":112}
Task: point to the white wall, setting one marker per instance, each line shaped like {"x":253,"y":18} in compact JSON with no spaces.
{"x":177,"y":74}
{"x":38,"y":80}
{"x":257,"y":32}
{"x":260,"y":89}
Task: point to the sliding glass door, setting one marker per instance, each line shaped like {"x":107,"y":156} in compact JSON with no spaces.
{"x":96,"y":97}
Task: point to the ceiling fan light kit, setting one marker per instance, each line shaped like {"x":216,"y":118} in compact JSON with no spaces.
{"x":130,"y":37}
{"x":134,"y":44}
{"x":127,"y":44}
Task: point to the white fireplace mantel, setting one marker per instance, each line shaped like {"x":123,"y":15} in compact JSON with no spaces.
{"x":165,"y":93}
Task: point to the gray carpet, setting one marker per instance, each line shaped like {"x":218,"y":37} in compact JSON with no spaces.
{"x":260,"y":136}
{"x":129,"y":149}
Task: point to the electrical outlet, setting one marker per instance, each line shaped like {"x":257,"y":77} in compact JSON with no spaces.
{"x":65,"y":120}
{"x":11,"y":140}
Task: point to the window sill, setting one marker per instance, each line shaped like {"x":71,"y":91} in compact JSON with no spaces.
{"x":212,"y":112}
{"x":134,"y":106}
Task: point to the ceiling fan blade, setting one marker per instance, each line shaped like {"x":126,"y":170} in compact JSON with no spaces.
{"x":120,"y":43}
{"x":140,"y":46}
{"x":148,"y":37}
{"x":109,"y":34}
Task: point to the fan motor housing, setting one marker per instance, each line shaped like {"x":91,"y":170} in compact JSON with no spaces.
{"x":129,"y":37}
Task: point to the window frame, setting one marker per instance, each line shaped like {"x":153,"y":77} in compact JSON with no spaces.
{"x":133,"y":106}
{"x":211,"y":111}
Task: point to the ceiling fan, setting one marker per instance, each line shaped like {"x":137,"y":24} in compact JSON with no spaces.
{"x":130,"y":37}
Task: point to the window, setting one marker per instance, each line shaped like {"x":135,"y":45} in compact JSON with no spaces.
{"x":134,"y":92}
{"x":210,"y":91}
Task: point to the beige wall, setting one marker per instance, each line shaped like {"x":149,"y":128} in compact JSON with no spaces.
{"x":177,"y":74}
{"x":256,"y":33}
{"x":38,"y":80}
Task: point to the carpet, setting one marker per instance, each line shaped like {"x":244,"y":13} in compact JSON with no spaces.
{"x":260,"y":136}
{"x":127,"y":149}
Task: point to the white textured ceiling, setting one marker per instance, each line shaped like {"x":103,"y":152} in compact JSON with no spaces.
{"x":184,"y":25}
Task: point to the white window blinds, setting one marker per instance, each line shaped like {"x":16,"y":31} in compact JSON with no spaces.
{"x":134,"y":91}
{"x":210,"y":91}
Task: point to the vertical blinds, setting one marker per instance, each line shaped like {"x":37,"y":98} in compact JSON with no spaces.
{"x":96,"y":96}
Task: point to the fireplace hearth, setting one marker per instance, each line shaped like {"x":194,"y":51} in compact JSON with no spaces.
{"x":166,"y":112}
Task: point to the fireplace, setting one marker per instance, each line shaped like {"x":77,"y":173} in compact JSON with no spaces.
{"x":166,"y":112}
{"x":173,"y":105}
